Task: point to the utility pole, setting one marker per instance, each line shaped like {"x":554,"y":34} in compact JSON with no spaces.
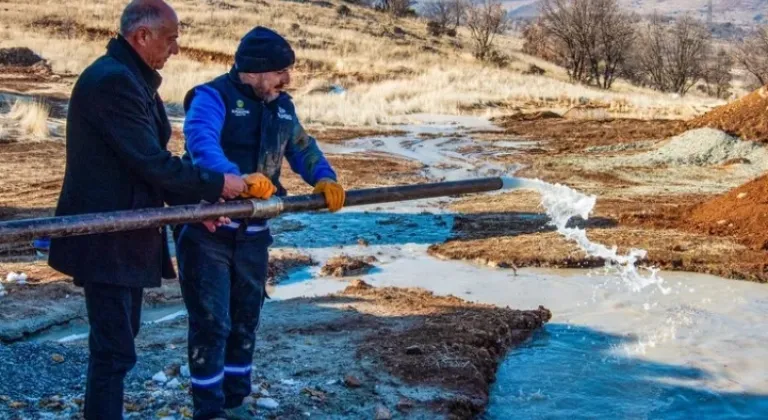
{"x":709,"y":13}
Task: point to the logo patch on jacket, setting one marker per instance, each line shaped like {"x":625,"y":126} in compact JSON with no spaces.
{"x":282,"y":114}
{"x":240,"y":111}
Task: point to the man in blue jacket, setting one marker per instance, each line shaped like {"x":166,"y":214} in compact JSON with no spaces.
{"x":241,"y":122}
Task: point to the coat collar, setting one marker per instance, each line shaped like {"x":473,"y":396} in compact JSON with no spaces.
{"x":122,"y":51}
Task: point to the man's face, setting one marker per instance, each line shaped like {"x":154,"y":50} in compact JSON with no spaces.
{"x":268,"y":85}
{"x":157,"y":45}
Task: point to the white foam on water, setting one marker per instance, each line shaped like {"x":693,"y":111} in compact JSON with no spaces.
{"x":561,"y":204}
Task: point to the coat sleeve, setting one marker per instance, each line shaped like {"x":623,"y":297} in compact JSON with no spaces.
{"x":127,"y":122}
{"x":202,"y":130}
{"x":306,"y":158}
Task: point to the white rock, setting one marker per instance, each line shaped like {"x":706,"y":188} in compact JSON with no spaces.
{"x":184,"y":371}
{"x":173,"y":384}
{"x":160,"y":377}
{"x":263,"y":392}
{"x":289,"y":382}
{"x":21,"y":278}
{"x":332,"y":382}
{"x":267,"y":403}
{"x":14,"y":277}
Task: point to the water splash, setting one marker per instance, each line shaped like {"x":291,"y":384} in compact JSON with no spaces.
{"x":561,"y":204}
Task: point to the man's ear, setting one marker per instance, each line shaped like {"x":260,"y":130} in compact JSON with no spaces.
{"x":142,"y":36}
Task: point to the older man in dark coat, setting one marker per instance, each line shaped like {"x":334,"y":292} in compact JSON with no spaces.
{"x":117,"y":132}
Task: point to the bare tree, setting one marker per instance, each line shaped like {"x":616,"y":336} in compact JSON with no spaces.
{"x":590,"y":38}
{"x":752,"y":54}
{"x":485,"y":20}
{"x":440,"y":12}
{"x":558,"y":24}
{"x":615,"y":38}
{"x":447,"y":13}
{"x":673,"y":58}
{"x":459,"y":10}
{"x":396,"y":8}
{"x":718,"y":75}
{"x":538,"y":43}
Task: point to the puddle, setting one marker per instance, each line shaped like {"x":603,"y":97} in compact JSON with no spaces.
{"x":78,"y":330}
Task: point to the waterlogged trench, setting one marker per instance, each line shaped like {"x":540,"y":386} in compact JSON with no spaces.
{"x":623,"y":342}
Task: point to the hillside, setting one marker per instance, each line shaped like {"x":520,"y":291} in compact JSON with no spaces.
{"x":387,"y":69}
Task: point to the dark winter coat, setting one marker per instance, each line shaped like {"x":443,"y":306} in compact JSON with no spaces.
{"x":117,"y":133}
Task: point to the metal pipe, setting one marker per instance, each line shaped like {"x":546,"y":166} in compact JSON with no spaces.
{"x":86,"y":224}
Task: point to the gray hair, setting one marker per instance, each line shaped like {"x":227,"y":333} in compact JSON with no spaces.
{"x":140,"y":13}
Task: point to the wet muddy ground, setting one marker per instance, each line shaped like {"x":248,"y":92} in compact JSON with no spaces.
{"x":361,"y":353}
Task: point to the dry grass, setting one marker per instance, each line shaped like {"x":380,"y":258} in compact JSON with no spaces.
{"x":181,"y":74}
{"x":387,"y":75}
{"x":66,"y":55}
{"x":31,"y":117}
{"x":451,"y":90}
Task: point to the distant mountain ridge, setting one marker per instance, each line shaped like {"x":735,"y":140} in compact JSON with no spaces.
{"x":735,"y":11}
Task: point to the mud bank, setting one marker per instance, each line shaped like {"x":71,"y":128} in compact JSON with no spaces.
{"x":667,"y":250}
{"x":362,"y":353}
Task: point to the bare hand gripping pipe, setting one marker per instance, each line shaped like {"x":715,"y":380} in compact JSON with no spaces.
{"x":85,"y":224}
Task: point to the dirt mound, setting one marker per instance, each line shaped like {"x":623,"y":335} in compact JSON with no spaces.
{"x":281,"y":263}
{"x":458,"y":345}
{"x":22,"y":59}
{"x":345,"y":265}
{"x":18,"y":57}
{"x":703,"y":147}
{"x":591,"y":113}
{"x":523,"y":116}
{"x":746,"y":117}
{"x":742,"y":212}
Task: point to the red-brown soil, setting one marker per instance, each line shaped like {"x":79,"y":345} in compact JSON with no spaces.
{"x":746,"y":117}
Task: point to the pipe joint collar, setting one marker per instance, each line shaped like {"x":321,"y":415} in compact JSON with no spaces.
{"x":266,"y":209}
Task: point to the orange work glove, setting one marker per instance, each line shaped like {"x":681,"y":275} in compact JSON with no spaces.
{"x":333,"y":191}
{"x":259,"y":186}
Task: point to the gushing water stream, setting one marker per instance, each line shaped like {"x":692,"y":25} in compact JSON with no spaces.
{"x":561,"y":204}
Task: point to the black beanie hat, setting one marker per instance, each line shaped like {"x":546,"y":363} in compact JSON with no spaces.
{"x":263,"y":50}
